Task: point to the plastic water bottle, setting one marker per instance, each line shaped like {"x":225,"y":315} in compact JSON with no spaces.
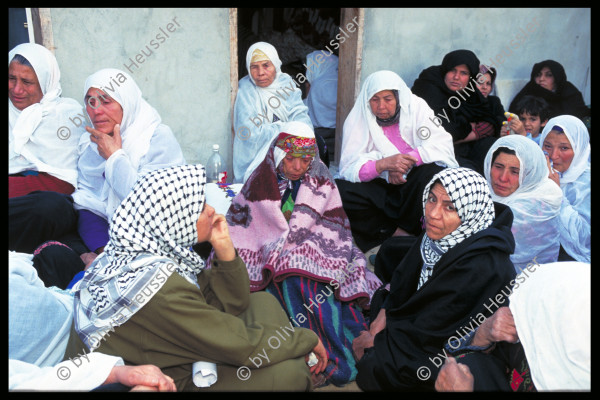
{"x":215,"y":167}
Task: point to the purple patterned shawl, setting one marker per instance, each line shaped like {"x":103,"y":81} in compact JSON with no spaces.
{"x":317,"y":243}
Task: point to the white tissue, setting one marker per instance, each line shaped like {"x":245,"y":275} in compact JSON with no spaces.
{"x":204,"y":374}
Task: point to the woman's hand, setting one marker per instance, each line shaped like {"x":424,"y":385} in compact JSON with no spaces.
{"x":401,"y":163}
{"x":141,"y":377}
{"x":221,"y":240}
{"x":552,"y":174}
{"x":378,"y":323}
{"x":454,"y":377}
{"x":500,"y":327}
{"x":321,"y":354}
{"x":362,"y":342}
{"x":107,"y":143}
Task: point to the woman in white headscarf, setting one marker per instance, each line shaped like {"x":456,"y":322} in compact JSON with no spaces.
{"x":128,"y":141}
{"x":567,"y":142}
{"x":390,"y":150}
{"x":172,"y":311}
{"x":535,"y":200}
{"x":266,"y":98}
{"x":42,"y":137}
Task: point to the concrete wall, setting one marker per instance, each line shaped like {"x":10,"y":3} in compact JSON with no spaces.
{"x":186,"y":77}
{"x":407,"y":41}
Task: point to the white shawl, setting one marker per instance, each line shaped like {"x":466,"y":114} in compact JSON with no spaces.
{"x":535,"y":204}
{"x":140,"y":121}
{"x":551,"y":306}
{"x":575,"y":182}
{"x":41,"y":137}
{"x":364,"y":140}
{"x":254,"y":112}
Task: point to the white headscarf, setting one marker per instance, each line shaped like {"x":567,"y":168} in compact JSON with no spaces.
{"x":551,"y":307}
{"x":37,"y":133}
{"x":364,"y":140}
{"x":322,"y":97}
{"x":535,"y":204}
{"x":274,"y":89}
{"x":579,"y":138}
{"x":140,"y":120}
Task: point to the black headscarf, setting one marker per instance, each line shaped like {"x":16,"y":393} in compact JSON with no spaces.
{"x":565,"y":99}
{"x":431,"y":87}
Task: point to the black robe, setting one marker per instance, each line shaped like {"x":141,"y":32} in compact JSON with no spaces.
{"x":464,"y":283}
{"x":566,"y":99}
{"x":456,"y":114}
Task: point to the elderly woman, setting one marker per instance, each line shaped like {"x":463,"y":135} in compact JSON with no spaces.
{"x":566,"y":141}
{"x":549,"y":81}
{"x":42,"y":139}
{"x":322,"y":83}
{"x":266,"y":98}
{"x":390,"y":150}
{"x":517,"y":173}
{"x":445,"y":280}
{"x":127,"y":141}
{"x":289,"y":227}
{"x":451,"y":91}
{"x":171,"y":311}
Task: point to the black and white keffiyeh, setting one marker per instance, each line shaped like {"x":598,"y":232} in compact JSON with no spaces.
{"x":470,"y":195}
{"x":151,"y":234}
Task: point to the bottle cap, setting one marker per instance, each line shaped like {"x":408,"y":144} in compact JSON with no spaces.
{"x":215,"y":147}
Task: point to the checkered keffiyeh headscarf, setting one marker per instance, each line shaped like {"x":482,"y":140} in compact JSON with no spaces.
{"x":470,"y":194}
{"x":154,"y":226}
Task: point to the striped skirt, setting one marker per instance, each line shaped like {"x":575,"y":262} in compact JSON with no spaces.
{"x":311,"y":304}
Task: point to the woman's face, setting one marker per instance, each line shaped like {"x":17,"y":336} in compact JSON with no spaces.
{"x":383,"y":104}
{"x":294,"y":168}
{"x":559,"y":150}
{"x":204,"y":224}
{"x":485,"y":84}
{"x":23,"y":86}
{"x":504,"y":174}
{"x":457,"y":78}
{"x":441,"y":217}
{"x":263,"y":72}
{"x":545,"y":79}
{"x":103,"y":110}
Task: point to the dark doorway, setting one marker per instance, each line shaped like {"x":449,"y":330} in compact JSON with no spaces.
{"x":294,"y":32}
{"x":17,"y":27}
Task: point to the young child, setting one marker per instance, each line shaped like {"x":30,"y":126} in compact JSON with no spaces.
{"x":533,"y":115}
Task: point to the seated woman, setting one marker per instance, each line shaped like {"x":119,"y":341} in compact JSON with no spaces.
{"x":390,"y":150}
{"x":517,"y":173}
{"x":172,"y":312}
{"x":40,"y":320}
{"x":127,"y":141}
{"x":531,"y":345}
{"x":549,"y":81}
{"x":446,"y":279}
{"x":451,"y":91}
{"x":42,"y":139}
{"x":486,"y":85}
{"x":322,"y":83}
{"x":289,"y":227}
{"x":266,"y":98}
{"x":566,"y":141}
